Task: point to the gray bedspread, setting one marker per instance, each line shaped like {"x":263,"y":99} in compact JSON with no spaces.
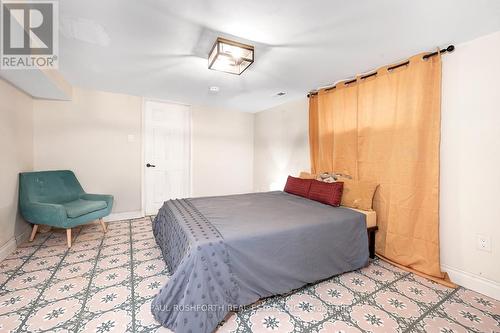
{"x":228,"y":251}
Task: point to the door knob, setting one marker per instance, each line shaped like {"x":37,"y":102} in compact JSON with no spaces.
{"x":150,"y":165}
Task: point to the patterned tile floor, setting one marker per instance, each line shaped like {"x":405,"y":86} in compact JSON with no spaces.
{"x":106,"y":284}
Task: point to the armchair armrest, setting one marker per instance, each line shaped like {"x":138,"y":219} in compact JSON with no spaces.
{"x":44,"y":213}
{"x":99,"y":197}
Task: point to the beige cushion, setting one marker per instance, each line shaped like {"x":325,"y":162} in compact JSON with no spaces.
{"x":358,"y":194}
{"x":307,"y":175}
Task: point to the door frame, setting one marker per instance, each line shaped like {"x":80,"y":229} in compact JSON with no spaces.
{"x":143,"y":147}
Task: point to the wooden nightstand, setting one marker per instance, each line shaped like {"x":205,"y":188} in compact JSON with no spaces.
{"x":371,"y":240}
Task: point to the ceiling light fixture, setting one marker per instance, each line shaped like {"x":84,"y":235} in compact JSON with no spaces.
{"x":230,"y":56}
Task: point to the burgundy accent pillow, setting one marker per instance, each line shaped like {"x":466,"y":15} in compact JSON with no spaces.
{"x":327,"y":193}
{"x":298,"y":186}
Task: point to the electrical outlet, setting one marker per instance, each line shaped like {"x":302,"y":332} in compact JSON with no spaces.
{"x":483,"y":243}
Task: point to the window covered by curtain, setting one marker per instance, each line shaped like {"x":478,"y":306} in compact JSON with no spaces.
{"x":386,"y":128}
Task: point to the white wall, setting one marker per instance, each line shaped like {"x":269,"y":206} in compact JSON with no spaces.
{"x":281,"y":144}
{"x":222,"y":152}
{"x":470,"y":159}
{"x":470,"y":163}
{"x":16,"y":155}
{"x":89,"y":135}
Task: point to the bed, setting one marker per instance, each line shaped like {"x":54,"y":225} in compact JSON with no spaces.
{"x":230,"y":251}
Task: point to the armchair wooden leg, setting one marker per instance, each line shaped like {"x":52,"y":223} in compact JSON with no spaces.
{"x":103,"y":225}
{"x":68,"y":236}
{"x":33,"y":232}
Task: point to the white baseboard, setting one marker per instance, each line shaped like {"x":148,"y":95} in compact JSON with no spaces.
{"x":24,"y":236}
{"x":8,"y":248}
{"x":12,"y":244}
{"x":473,"y":281}
{"x":123,"y":216}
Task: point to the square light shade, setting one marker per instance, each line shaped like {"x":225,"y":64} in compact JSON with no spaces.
{"x":230,"y":57}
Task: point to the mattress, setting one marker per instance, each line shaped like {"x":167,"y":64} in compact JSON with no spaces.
{"x":230,"y":251}
{"x":370,"y":216}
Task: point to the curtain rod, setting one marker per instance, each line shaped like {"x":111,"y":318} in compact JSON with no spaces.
{"x":450,"y":48}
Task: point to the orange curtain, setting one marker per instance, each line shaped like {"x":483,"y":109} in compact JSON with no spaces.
{"x":386,"y":129}
{"x":333,"y":130}
{"x":324,"y":134}
{"x":345,"y":129}
{"x":313,"y":133}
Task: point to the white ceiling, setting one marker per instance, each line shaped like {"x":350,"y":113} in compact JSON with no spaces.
{"x":159,"y":48}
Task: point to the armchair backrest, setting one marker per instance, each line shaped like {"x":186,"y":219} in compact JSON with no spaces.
{"x":49,"y":187}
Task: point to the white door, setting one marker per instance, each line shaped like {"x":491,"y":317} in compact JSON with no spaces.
{"x":167,"y":153}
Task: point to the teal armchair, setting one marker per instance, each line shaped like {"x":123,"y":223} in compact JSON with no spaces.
{"x":56,"y":198}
